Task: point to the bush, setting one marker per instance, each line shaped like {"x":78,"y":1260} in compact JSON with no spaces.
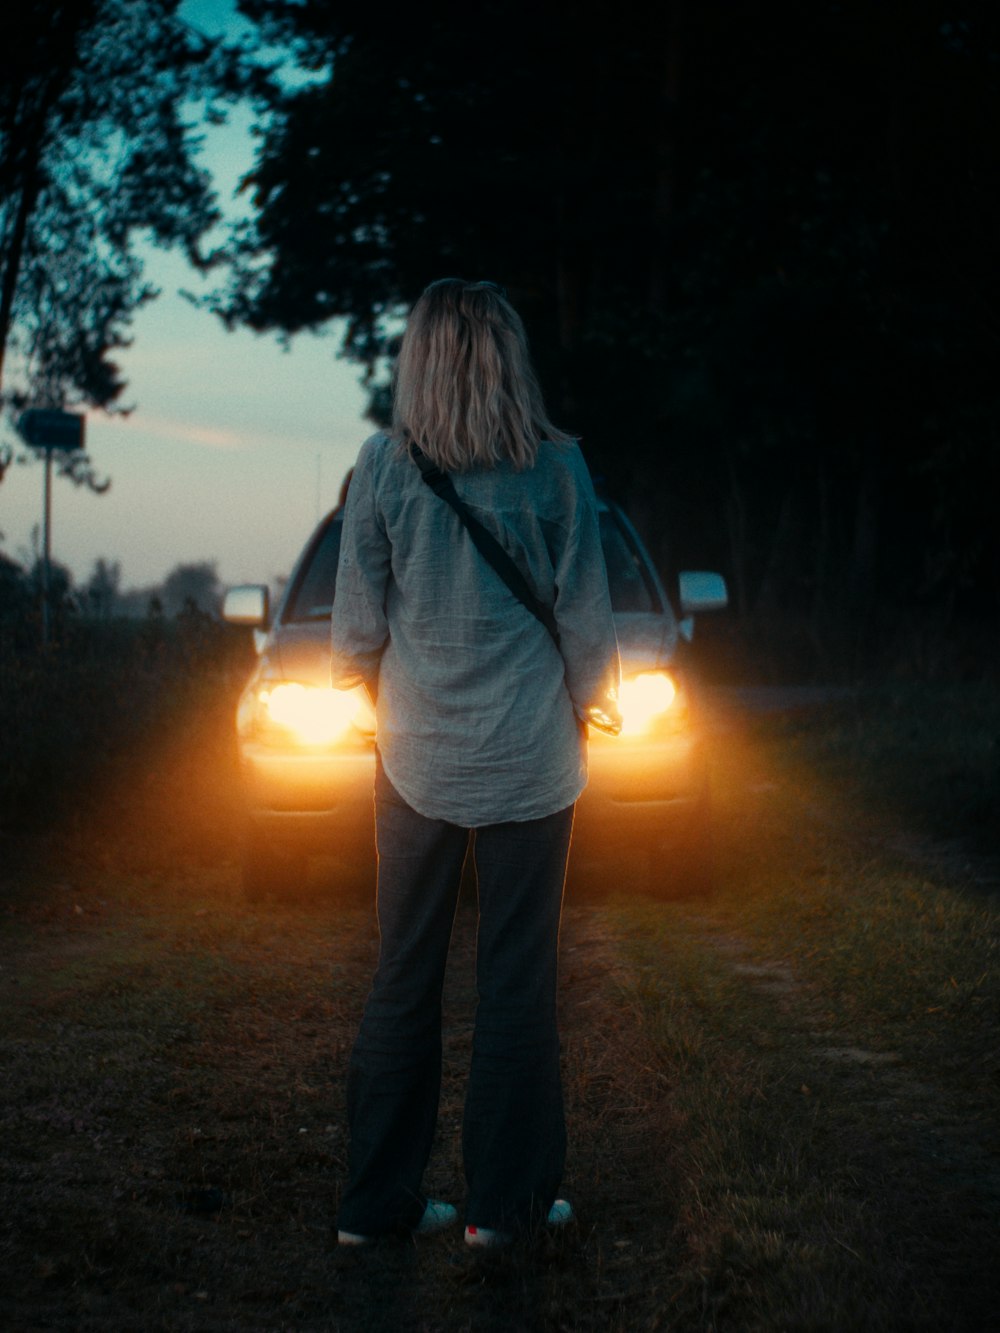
{"x":928,"y":753}
{"x":120,"y":732}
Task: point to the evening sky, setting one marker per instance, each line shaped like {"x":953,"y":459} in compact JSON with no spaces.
{"x":235,"y":446}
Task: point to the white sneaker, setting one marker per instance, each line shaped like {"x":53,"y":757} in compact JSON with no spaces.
{"x":486,"y":1238}
{"x":437,"y":1216}
{"x":354,"y":1238}
{"x":560,"y":1214}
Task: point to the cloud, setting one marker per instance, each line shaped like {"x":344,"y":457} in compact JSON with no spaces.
{"x":210,"y":437}
{"x":163,"y":428}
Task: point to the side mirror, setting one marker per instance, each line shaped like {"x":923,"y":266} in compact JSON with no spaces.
{"x":702,"y":591}
{"x":246,"y":605}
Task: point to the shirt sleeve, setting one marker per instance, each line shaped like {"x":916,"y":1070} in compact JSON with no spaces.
{"x":583,"y":613}
{"x":359,"y":629}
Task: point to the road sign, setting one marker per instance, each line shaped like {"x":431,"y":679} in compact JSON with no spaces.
{"x":44,"y":428}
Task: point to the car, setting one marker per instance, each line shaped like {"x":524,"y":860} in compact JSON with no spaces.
{"x":307,"y":751}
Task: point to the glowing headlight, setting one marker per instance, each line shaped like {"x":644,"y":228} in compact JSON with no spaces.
{"x":313,"y":715}
{"x":643,"y":699}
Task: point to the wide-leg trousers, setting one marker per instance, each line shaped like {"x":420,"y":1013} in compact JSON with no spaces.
{"x":513,"y":1135}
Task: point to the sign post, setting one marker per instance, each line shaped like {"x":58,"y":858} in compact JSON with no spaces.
{"x":48,"y":429}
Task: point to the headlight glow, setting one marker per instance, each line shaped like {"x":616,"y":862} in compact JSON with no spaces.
{"x":645,"y":698}
{"x":313,"y":715}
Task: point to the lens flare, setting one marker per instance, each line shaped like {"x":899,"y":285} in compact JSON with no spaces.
{"x":313,"y":715}
{"x":645,"y":698}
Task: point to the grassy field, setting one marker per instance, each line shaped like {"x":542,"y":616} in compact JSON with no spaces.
{"x":830,"y":1028}
{"x":782,"y":1100}
{"x":927,"y":756}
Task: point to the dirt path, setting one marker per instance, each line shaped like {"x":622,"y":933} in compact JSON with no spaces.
{"x":759,"y":1138}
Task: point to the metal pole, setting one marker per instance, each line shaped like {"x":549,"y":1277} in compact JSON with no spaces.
{"x":46,"y":546}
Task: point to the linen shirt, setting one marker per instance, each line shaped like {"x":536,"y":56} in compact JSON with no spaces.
{"x":478,"y":712}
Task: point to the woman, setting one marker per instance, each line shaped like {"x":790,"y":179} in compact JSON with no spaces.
{"x":480,"y":726}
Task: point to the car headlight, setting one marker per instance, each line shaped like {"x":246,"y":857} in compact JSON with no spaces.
{"x":644,"y":699}
{"x":310,"y":714}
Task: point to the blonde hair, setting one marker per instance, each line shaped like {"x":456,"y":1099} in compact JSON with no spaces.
{"x":465,"y":390}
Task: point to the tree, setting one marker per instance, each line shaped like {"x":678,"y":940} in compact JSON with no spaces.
{"x":15,"y":591}
{"x":192,"y":585}
{"x":102,"y":590}
{"x":443,"y":141}
{"x":96,"y":150}
{"x":769,"y":304}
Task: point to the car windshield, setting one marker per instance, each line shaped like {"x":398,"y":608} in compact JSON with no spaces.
{"x":629,"y":580}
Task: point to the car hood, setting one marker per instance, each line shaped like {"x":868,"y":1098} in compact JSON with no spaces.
{"x":645,"y":640}
{"x":302,"y":651}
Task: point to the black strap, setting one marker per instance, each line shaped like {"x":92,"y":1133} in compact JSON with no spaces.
{"x":484,"y":541}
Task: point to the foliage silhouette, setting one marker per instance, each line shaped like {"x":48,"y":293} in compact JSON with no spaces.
{"x":96,"y":150}
{"x":752,"y":244}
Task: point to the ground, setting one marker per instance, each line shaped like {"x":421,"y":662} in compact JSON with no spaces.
{"x":781,"y":1099}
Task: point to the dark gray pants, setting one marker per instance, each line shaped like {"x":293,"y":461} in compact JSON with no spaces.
{"x":514,"y":1135}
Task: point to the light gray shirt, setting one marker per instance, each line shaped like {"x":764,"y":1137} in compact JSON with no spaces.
{"x":478,"y":711}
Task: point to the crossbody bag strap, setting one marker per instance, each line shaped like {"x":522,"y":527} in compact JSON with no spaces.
{"x":484,"y":541}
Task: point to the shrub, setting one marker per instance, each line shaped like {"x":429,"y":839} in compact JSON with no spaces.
{"x":120,"y":729}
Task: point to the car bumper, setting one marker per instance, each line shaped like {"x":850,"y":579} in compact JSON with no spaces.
{"x":638,"y":791}
{"x":320,"y":800}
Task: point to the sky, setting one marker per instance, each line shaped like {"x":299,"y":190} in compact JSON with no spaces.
{"x":235,"y":446}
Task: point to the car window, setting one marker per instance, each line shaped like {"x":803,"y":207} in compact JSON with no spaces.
{"x":311,"y":597}
{"x":628,"y":577}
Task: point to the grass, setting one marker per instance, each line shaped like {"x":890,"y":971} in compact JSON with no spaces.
{"x":171,"y":1104}
{"x":781,"y":1101}
{"x":894,"y":928}
{"x":118,"y":727}
{"x":926,"y":754}
{"x":828,"y":1028}
{"x":817,"y":1191}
